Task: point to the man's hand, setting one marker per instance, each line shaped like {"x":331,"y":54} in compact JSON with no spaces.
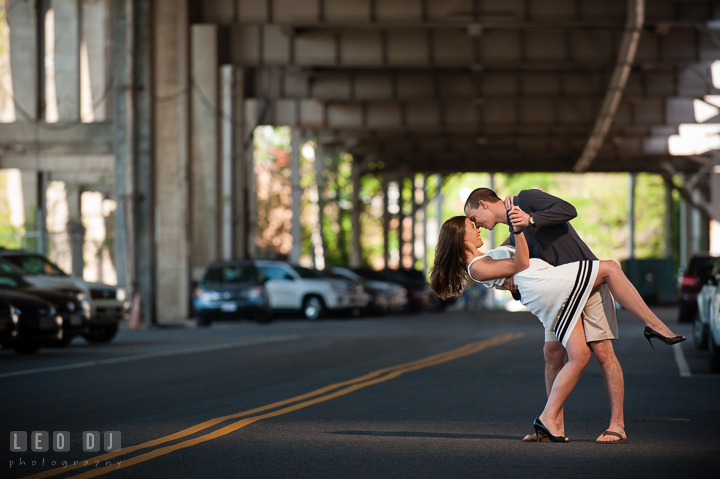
{"x":509,"y":202}
{"x":519,"y":218}
{"x":510,"y":285}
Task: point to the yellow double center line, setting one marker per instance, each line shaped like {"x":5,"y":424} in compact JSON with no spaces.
{"x":298,"y":402}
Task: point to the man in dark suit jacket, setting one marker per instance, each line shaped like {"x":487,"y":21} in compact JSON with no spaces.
{"x":552,"y":238}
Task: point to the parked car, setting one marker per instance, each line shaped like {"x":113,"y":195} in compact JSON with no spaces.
{"x":419,"y":292}
{"x":231,"y":289}
{"x":294,"y":288}
{"x":108,"y":304}
{"x":70,"y":305}
{"x":384,"y":296}
{"x":691,"y":281}
{"x":705,"y":299}
{"x":713,"y":335}
{"x":33,"y":322}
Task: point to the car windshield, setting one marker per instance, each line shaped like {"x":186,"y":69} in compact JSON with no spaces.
{"x":231,"y":274}
{"x":305,"y":272}
{"x":35,"y":264}
{"x":11,"y":280}
{"x":9,"y":267}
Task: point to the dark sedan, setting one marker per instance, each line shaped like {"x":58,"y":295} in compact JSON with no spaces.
{"x":70,"y":305}
{"x":232,"y":289}
{"x":28,"y":322}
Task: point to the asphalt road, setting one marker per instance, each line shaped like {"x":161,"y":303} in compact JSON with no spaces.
{"x":429,"y":396}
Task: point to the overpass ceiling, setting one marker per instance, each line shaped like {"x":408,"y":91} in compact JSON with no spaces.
{"x":468,"y":85}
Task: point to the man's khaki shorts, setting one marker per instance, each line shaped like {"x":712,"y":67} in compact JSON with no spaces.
{"x":599,"y":317}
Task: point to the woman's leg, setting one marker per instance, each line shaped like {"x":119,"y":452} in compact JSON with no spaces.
{"x":628,"y":297}
{"x":578,"y":357}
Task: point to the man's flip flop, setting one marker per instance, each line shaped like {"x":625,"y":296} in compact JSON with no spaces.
{"x":543,"y":438}
{"x":612,"y":433}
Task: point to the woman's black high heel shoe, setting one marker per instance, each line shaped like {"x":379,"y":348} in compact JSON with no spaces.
{"x":651,"y":333}
{"x":539,"y":427}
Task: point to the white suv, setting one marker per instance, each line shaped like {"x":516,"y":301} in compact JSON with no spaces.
{"x":295,"y":288}
{"x":108,"y":304}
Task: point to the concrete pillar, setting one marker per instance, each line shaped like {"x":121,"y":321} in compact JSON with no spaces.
{"x":67,"y":58}
{"x":684,"y":233}
{"x":401,"y":220}
{"x":295,"y":228}
{"x":227,"y":78}
{"x":146,"y":216}
{"x":320,"y":153}
{"x":242,"y":146}
{"x":355,"y":252}
{"x":75,"y":228}
{"x":491,"y":235}
{"x":253,"y":114}
{"x":205,"y":149}
{"x":95,"y":16}
{"x":23,"y":59}
{"x":439,"y":203}
{"x":29,"y":180}
{"x":631,"y":215}
{"x":413,"y":218}
{"x":123,"y":132}
{"x":669,"y":229}
{"x":172,"y":152}
{"x":386,"y":220}
{"x":715,"y":205}
{"x":43,"y":179}
{"x":424,"y":226}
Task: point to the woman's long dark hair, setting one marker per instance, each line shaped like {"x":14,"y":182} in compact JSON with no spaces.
{"x":447,"y":277}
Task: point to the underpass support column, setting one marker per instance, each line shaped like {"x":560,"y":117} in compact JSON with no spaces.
{"x":631,"y":215}
{"x":67,"y":58}
{"x":386,"y":220}
{"x":295,"y":227}
{"x":355,"y":255}
{"x":204,"y":159}
{"x":401,"y":220}
{"x":172,"y":152}
{"x":669,"y":224}
{"x":227,"y":78}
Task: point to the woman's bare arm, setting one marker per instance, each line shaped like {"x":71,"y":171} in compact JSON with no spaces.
{"x":488,"y":268}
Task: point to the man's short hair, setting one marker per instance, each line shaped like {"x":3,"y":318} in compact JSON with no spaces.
{"x":480,"y":194}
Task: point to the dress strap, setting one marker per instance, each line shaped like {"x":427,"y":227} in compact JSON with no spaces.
{"x":471,"y":263}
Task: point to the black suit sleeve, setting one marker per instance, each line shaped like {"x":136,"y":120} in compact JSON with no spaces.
{"x":545,"y":209}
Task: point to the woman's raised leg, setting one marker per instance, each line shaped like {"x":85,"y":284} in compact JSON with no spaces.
{"x":578,"y":357}
{"x":628,"y":297}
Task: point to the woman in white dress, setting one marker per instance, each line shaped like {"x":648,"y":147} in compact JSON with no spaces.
{"x":556,"y":295}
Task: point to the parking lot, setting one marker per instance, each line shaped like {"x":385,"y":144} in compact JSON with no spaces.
{"x":431,"y":395}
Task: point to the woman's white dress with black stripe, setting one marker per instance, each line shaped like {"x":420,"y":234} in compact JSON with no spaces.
{"x":555,"y":294}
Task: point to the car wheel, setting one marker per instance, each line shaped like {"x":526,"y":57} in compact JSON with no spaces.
{"x":714,"y":350}
{"x":313,"y":308}
{"x":700,"y":333}
{"x":101,"y":334}
{"x":203,"y":320}
{"x":26,"y":347}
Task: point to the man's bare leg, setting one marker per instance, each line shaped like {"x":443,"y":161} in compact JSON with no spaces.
{"x":554,"y":361}
{"x":614,"y":385}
